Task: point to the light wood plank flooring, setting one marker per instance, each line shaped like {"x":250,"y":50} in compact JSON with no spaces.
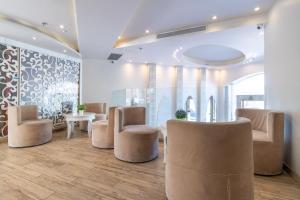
{"x":72,"y":169}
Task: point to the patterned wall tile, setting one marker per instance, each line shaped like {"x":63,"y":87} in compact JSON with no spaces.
{"x":8,"y":83}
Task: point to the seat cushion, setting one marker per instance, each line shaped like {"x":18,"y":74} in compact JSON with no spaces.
{"x":261,"y":136}
{"x":100,"y":123}
{"x":139,"y":129}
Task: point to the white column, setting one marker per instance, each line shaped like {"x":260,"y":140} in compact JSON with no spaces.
{"x":151,"y":95}
{"x":179,"y":87}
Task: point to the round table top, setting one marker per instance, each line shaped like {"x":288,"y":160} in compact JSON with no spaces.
{"x":80,"y":117}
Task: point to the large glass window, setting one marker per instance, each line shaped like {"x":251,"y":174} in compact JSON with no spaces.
{"x":247,"y":92}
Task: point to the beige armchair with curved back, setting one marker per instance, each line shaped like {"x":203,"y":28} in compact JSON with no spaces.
{"x":209,"y":161}
{"x":268,"y":139}
{"x":133,"y":140}
{"x":103,"y":131}
{"x":98,"y":108}
{"x":25,"y":129}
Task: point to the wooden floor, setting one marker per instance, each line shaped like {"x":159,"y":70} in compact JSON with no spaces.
{"x":73,"y":169}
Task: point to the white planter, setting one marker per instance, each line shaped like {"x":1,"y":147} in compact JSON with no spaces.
{"x":81,"y":112}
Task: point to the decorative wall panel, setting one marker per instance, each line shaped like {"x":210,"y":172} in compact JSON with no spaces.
{"x":49,"y":82}
{"x":8,"y":83}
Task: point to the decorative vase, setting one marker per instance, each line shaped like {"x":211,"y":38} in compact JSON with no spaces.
{"x":81,"y":112}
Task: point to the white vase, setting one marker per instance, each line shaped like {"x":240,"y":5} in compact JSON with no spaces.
{"x":81,"y":112}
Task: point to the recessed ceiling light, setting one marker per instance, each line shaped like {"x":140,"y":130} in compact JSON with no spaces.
{"x":215,"y":17}
{"x":256,"y":9}
{"x":65,"y":51}
{"x":119,"y":38}
{"x":34,"y":38}
{"x":180,"y":48}
{"x":147,"y":31}
{"x":61,"y":26}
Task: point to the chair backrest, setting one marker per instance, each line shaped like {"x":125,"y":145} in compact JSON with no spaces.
{"x":111,"y":120}
{"x":134,"y":116}
{"x":28,"y":112}
{"x":14,"y":117}
{"x":98,"y":108}
{"x":17,"y":114}
{"x":209,"y":157}
{"x":258,"y":117}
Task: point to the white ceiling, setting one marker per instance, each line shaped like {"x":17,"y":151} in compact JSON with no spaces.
{"x":93,"y":26}
{"x":100,"y":22}
{"x":170,"y":51}
{"x":214,"y":55}
{"x":165,"y":15}
{"x":33,"y":12}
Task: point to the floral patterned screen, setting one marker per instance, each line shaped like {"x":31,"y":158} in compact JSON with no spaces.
{"x":49,"y":82}
{"x":8,"y":83}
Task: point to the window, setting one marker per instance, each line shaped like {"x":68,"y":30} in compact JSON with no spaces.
{"x":247,"y":92}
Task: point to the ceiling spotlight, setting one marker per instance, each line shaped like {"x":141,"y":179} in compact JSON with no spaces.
{"x":61,"y":26}
{"x":147,"y":31}
{"x":215,"y":17}
{"x":256,"y":9}
{"x":65,"y":51}
{"x":34,"y":38}
{"x":119,"y":38}
{"x":180,"y":48}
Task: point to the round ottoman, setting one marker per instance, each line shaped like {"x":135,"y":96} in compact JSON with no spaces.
{"x":137,"y":144}
{"x":101,"y":137}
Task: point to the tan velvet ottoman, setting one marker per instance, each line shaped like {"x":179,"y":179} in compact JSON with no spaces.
{"x":137,"y":143}
{"x":101,"y":137}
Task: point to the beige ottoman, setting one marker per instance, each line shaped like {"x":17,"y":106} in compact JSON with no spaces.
{"x":137,"y":143}
{"x":101,"y":137}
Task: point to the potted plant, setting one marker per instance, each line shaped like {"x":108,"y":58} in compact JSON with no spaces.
{"x":181,"y":114}
{"x":81,"y":108}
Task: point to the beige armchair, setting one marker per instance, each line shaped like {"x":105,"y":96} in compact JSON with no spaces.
{"x":103,"y":131}
{"x":133,"y":140}
{"x":268,"y":139}
{"x":98,"y":108}
{"x":211,"y":161}
{"x":25,"y":129}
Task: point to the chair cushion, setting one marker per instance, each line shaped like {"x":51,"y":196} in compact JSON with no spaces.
{"x":100,"y":123}
{"x":261,"y":136}
{"x":139,"y":129}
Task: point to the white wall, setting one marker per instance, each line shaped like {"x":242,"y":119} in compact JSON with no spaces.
{"x":100,"y":78}
{"x":235,"y":73}
{"x":282,"y":72}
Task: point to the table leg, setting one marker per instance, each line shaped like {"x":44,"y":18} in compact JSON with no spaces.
{"x":165,"y":148}
{"x":90,"y":128}
{"x":69,"y":124}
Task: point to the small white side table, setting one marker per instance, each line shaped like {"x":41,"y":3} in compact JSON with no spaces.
{"x":163,"y":130}
{"x":76,"y":117}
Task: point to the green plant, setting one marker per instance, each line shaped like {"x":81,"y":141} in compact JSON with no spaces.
{"x":81,"y":107}
{"x":181,"y":114}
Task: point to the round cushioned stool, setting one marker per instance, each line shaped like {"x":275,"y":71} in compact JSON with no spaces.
{"x":101,"y":137}
{"x":137,"y":144}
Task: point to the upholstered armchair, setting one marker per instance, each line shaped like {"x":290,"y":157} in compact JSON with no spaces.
{"x":268,"y":139}
{"x":98,"y":108}
{"x":25,"y":129}
{"x":133,"y":140}
{"x":211,"y":161}
{"x":103,"y":131}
